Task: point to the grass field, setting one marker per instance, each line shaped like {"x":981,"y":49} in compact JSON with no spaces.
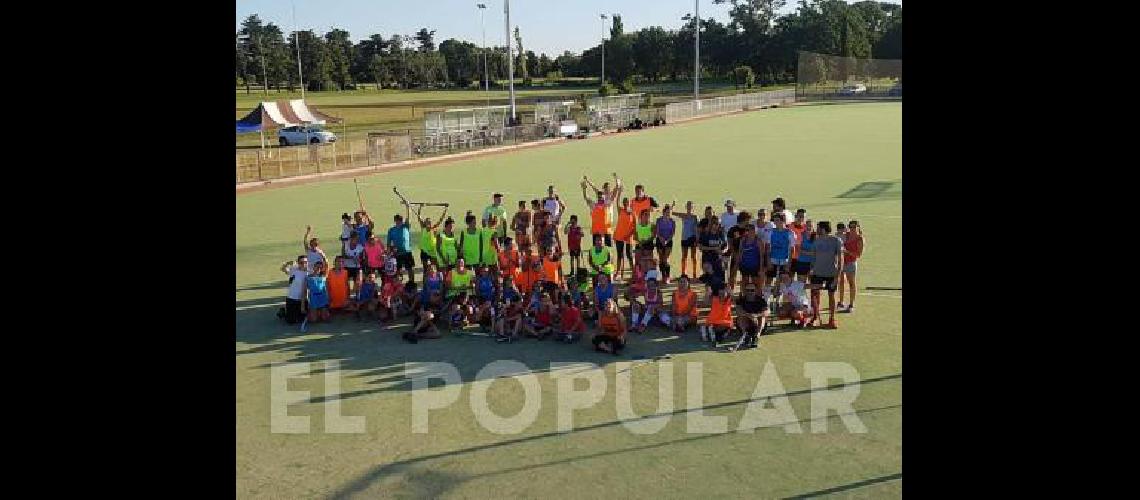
{"x":837,"y":161}
{"x":371,"y":110}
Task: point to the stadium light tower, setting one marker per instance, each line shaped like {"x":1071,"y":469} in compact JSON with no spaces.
{"x":486,"y":78}
{"x":602,"y":79}
{"x":510,"y":57}
{"x":297,"y":42}
{"x":697,"y":52}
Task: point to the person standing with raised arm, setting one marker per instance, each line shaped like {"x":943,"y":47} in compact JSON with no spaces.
{"x":400,"y":236}
{"x":429,"y":247}
{"x":313,"y":250}
{"x":599,"y":213}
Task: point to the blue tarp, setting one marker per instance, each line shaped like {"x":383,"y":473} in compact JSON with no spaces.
{"x":251,"y":122}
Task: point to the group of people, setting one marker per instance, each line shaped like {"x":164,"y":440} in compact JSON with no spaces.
{"x":507,"y":276}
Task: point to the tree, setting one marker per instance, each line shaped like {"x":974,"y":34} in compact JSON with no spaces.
{"x":743,"y":77}
{"x":426,"y":39}
{"x":619,"y":53}
{"x":521,"y":59}
{"x":652,"y":52}
{"x":462,"y":61}
{"x":544,"y":65}
{"x":532,"y":68}
{"x":340,"y":55}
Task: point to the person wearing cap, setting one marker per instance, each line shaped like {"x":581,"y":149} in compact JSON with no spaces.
{"x":496,"y":211}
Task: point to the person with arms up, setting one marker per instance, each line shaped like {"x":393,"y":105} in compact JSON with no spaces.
{"x":553,"y":205}
{"x":447,"y":246}
{"x":400,"y":235}
{"x":312,"y":247}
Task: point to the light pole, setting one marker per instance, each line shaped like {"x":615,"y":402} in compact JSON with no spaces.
{"x":697,"y":52}
{"x":510,"y":58}
{"x":297,"y":41}
{"x":404,"y":57}
{"x":486,"y":78}
{"x":602,"y":79}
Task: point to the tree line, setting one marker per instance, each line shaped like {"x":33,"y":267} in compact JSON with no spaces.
{"x":756,"y":43}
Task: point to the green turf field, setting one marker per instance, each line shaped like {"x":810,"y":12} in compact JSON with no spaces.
{"x":837,"y":161}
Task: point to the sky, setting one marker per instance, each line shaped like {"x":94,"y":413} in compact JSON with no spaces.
{"x":550,"y":26}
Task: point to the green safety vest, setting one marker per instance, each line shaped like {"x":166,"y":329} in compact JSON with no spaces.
{"x":449,"y":256}
{"x":459,"y":282}
{"x":427,"y":244}
{"x":645,"y":233}
{"x":602,"y":260}
{"x":490,"y":255}
{"x":471,"y":247}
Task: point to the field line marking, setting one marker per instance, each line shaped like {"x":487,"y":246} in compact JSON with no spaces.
{"x":259,"y":306}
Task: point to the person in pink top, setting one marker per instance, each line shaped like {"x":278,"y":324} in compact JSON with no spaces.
{"x":373,"y":255}
{"x":852,"y":249}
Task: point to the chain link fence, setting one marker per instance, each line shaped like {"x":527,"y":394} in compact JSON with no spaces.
{"x":377,"y":149}
{"x":823,"y":77}
{"x":687,"y":110}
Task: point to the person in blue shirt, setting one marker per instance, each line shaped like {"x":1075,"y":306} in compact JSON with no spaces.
{"x":780,"y":248}
{"x":400,"y":235}
{"x":316,"y":285}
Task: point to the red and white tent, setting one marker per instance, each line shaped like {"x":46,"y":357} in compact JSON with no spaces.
{"x":282,"y":113}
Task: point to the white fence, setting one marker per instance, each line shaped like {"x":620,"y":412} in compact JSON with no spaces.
{"x":692,"y":109}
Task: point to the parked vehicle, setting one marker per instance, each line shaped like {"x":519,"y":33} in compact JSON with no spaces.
{"x":304,"y":134}
{"x":853,"y":89}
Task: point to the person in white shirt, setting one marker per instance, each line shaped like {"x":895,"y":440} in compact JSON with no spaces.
{"x":779,"y":206}
{"x":313,"y":250}
{"x":794,"y":301}
{"x":345,"y":231}
{"x":728,"y":218}
{"x":553,"y":204}
{"x":294,"y":311}
{"x":352,"y":252}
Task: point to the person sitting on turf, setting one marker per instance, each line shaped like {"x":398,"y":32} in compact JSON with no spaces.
{"x":713,"y":281}
{"x":485,"y":314}
{"x":423,"y":328}
{"x":316,"y":284}
{"x":408,"y":299}
{"x":794,"y":303}
{"x":718,"y":321}
{"x":611,"y":330}
{"x":462,"y":312}
{"x":543,"y":323}
{"x":312,"y":247}
{"x":570,"y":323}
{"x":653,"y":302}
{"x":367,"y":296}
{"x":684,"y":309}
{"x":599,"y":259}
{"x":484,"y":284}
{"x":753,"y":316}
{"x":603,"y":292}
{"x":508,"y":326}
{"x":389,"y":303}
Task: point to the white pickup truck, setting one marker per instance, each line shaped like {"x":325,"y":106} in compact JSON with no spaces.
{"x":304,"y":134}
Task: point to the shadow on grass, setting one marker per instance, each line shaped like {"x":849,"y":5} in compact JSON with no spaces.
{"x":849,"y":486}
{"x":380,"y":472}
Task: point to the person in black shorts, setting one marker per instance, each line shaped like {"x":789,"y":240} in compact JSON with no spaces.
{"x":753,"y":316}
{"x":743,"y":222}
